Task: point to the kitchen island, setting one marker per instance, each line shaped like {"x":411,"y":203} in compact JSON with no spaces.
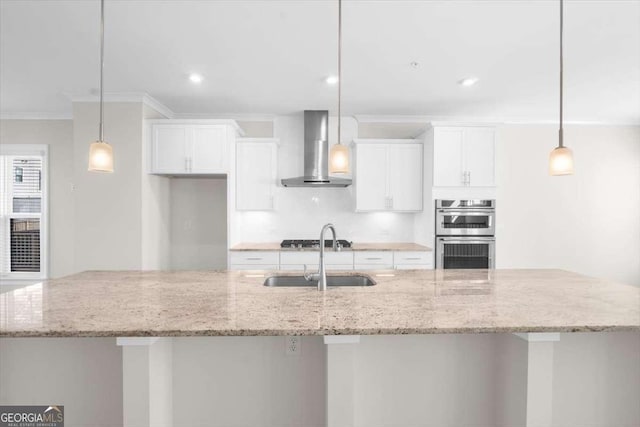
{"x":223,"y":303}
{"x":513,"y":347}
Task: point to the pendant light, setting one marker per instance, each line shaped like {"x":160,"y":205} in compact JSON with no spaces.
{"x":561,"y":158}
{"x":339,"y":155}
{"x":101,"y":152}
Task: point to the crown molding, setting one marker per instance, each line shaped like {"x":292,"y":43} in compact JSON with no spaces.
{"x":141,"y":97}
{"x":151,"y":102}
{"x":488,"y":121}
{"x":36,"y":116}
{"x":230,"y":116}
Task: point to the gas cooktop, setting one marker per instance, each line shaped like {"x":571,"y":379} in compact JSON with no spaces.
{"x":312,"y":244}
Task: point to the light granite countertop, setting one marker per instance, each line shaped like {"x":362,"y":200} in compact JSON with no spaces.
{"x":133,"y":303}
{"x":391,"y":246}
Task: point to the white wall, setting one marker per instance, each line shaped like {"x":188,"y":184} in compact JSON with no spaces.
{"x":301,"y":212}
{"x":588,"y":222}
{"x":597,"y":380}
{"x":198,"y":223}
{"x":84,"y":375}
{"x":426,"y":380}
{"x":108,"y":207}
{"x":480,"y":380}
{"x":58,"y":134}
{"x":248,"y":381}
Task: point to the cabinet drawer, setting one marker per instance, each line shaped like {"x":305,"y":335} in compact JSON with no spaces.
{"x":254,"y":258}
{"x":252,"y":267}
{"x":314,"y":267}
{"x":313,"y":258}
{"x":414,"y":267}
{"x":373,"y":267}
{"x":373,"y":258}
{"x":412,"y":258}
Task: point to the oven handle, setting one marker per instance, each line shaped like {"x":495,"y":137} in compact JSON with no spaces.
{"x":467,"y":213}
{"x":474,"y":240}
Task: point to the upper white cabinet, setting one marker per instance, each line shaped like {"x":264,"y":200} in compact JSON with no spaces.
{"x":190,"y":148}
{"x":388,"y":175}
{"x":209,"y":149}
{"x":256,"y":173}
{"x":463,"y":156}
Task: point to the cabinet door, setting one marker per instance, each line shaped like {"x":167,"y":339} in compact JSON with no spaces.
{"x":208,"y":149}
{"x":371,"y":177}
{"x":405,"y":177}
{"x":255,"y":175}
{"x":169,"y":149}
{"x":447,"y":157}
{"x":479,"y":156}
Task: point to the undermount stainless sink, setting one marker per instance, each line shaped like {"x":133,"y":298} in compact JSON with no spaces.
{"x":299,"y":281}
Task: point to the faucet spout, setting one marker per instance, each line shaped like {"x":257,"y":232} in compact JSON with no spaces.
{"x":322,"y":273}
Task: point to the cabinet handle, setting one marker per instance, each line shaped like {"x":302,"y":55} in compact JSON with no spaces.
{"x":391,"y":202}
{"x":186,"y":164}
{"x":468,"y":178}
{"x":413,"y":258}
{"x":253,"y":259}
{"x":373,"y":258}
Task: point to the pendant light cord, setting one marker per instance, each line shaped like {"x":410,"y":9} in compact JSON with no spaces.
{"x":339,"y":68}
{"x":561,"y":131}
{"x":101,"y":132}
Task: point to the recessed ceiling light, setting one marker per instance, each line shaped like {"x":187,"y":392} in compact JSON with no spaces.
{"x":469,"y":81}
{"x":331,"y":80}
{"x":195,"y":78}
{"x":414,"y":64}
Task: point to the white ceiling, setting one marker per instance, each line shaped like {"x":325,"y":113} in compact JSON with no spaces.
{"x":271,"y":57}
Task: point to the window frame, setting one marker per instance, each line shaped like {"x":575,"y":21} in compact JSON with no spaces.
{"x":39,"y":150}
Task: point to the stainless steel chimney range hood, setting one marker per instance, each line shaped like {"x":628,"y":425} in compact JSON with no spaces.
{"x":316,"y":154}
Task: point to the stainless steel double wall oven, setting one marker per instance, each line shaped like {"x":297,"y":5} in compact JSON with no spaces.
{"x":465,"y":234}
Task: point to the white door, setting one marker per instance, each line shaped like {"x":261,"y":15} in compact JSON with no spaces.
{"x":371,"y":177}
{"x":405,"y":177}
{"x":447,"y":157}
{"x":169,"y":149}
{"x":479,"y":156}
{"x":208,"y":149}
{"x":255,"y":175}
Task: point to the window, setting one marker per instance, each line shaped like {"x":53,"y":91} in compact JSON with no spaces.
{"x":23,"y":211}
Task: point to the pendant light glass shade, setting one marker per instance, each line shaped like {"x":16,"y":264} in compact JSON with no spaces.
{"x":561,"y":158}
{"x":100,"y":152}
{"x":100,"y":157}
{"x":339,"y":159}
{"x":561,"y":161}
{"x":339,"y":154}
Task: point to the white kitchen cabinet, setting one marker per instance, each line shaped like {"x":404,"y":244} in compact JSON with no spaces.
{"x":388,"y":176}
{"x":412,"y":260}
{"x":480,"y":156}
{"x":373,"y":260}
{"x":256,"y":174}
{"x":184,"y":148}
{"x":254,"y":260}
{"x":463,"y":156}
{"x":296,"y":260}
{"x":169,"y":149}
{"x":209,"y":149}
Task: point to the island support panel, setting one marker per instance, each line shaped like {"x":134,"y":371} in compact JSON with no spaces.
{"x":499,"y":379}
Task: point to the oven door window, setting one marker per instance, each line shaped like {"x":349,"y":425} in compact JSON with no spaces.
{"x":466,"y":255}
{"x":466,"y":221}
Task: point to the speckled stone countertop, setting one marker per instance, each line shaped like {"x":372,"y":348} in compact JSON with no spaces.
{"x":131,"y":303}
{"x":391,"y":246}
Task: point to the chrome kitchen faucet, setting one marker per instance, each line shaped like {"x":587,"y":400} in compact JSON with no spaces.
{"x":321,"y":275}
